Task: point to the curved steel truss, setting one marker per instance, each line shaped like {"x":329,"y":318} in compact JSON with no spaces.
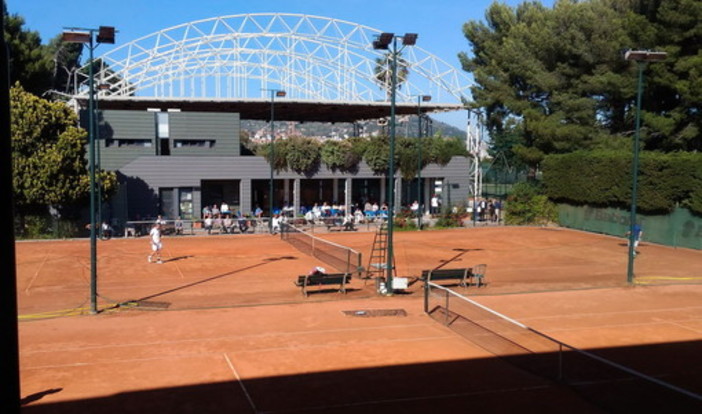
{"x":243,"y":56}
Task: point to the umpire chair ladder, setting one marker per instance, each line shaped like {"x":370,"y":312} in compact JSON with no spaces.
{"x":377,"y":264}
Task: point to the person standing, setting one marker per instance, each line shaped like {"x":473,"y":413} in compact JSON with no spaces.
{"x":156,"y":244}
{"x":434,"y":204}
{"x":638,"y":234}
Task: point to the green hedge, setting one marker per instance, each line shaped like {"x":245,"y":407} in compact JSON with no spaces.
{"x":603,"y":178}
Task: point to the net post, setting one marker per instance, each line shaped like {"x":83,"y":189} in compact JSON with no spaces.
{"x":426,"y":297}
{"x":447,"y":307}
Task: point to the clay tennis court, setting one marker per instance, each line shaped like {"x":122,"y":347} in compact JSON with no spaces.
{"x":220,"y":326}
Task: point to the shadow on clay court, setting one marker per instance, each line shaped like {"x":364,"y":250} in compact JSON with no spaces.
{"x":475,"y":385}
{"x":210,"y":279}
{"x":39,"y":395}
{"x":456,"y":258}
{"x":175,"y":259}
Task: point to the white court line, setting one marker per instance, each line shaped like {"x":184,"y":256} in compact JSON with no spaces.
{"x":241,"y":383}
{"x":36,"y":274}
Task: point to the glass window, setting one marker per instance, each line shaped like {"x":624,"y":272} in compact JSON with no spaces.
{"x":162,"y":122}
{"x":167,"y":203}
{"x":185,"y":196}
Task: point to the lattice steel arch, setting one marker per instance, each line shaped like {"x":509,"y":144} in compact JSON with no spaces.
{"x":240,"y":56}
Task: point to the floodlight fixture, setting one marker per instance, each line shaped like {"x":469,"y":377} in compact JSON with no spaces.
{"x":280,"y":94}
{"x":409,"y":39}
{"x":383,"y":41}
{"x":106,"y":34}
{"x":73,"y":36}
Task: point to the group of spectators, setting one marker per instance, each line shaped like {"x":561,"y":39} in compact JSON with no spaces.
{"x":489,"y":210}
{"x":223,"y":219}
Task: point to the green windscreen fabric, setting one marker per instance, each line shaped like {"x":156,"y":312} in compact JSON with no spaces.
{"x":678,"y":229}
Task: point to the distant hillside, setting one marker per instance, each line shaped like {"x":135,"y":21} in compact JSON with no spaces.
{"x":406,"y":126}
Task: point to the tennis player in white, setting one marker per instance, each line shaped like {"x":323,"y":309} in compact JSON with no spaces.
{"x":156,"y":245}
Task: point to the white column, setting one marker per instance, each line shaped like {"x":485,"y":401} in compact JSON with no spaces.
{"x":296,"y":195}
{"x":347,"y":191}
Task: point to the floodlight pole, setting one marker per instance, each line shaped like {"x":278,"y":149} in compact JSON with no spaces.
{"x":391,"y":167}
{"x":640,"y":57}
{"x":420,"y":208}
{"x":274,"y":93}
{"x":93,"y":192}
{"x":86,"y":36}
{"x":383,"y":42}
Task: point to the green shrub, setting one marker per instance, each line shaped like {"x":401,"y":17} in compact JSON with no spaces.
{"x":602,"y":178}
{"x":527,"y":205}
{"x":449,"y":219}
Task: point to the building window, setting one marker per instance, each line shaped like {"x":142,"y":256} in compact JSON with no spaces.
{"x":185,"y":196}
{"x":163,"y":129}
{"x":128,"y":142}
{"x":194,"y":143}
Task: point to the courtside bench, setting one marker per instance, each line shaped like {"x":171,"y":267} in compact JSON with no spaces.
{"x":341,"y":279}
{"x":462,"y":277}
{"x":334,"y":223}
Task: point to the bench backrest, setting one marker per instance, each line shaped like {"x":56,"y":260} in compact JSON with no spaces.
{"x":444,"y":274}
{"x":327,"y":278}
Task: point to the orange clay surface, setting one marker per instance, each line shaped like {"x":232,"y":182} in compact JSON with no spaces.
{"x":220,"y":326}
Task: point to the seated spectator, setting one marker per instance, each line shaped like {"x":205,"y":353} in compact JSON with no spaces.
{"x":326,"y":209}
{"x":358,"y":216}
{"x":243,"y":224}
{"x":317,"y":211}
{"x":208,"y":222}
{"x":224,"y":209}
{"x":227,"y":224}
{"x":218,"y":224}
{"x":275,"y":224}
{"x":348,"y":222}
{"x":178,"y":225}
{"x":317,"y":270}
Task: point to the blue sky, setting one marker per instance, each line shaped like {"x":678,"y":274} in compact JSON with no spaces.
{"x":438,"y":23}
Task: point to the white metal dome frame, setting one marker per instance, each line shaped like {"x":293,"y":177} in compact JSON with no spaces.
{"x":243,"y":56}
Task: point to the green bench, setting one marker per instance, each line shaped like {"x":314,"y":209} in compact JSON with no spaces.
{"x":463,"y":277}
{"x":341,"y":279}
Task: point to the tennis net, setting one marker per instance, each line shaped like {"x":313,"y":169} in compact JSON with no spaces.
{"x":341,"y":258}
{"x":607,"y":384}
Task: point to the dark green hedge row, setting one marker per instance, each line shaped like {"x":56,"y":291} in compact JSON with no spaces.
{"x":603,"y":178}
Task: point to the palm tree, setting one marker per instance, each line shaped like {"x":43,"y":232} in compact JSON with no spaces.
{"x":383,"y":72}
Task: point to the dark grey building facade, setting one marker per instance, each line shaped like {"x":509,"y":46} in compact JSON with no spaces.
{"x":174,"y":163}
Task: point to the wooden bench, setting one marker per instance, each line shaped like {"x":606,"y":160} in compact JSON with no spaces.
{"x":334,"y":223}
{"x":463,"y":277}
{"x":341,"y":279}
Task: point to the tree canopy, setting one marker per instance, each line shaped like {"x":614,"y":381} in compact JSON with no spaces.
{"x":49,"y":155}
{"x":29,"y":62}
{"x":557,"y":76}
